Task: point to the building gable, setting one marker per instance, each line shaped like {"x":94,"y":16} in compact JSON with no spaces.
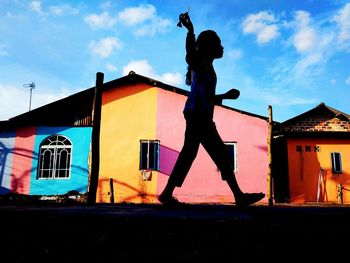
{"x":320,"y":119}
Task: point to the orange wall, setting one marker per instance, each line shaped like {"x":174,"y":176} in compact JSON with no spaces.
{"x":304,"y":169}
{"x":128,"y":115}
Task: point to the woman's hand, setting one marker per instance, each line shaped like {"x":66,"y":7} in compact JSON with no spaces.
{"x":232,"y":94}
{"x":185,"y":20}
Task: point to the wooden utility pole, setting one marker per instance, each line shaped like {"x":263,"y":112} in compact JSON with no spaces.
{"x":269,"y":147}
{"x":95,"y":139}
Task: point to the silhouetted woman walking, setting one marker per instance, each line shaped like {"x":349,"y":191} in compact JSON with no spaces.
{"x":198,"y":112}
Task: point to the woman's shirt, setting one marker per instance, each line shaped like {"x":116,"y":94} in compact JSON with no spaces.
{"x":200,"y":101}
{"x":201,"y":98}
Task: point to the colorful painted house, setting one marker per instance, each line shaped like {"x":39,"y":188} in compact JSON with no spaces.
{"x":45,"y":151}
{"x":311,"y":154}
{"x":141,"y":132}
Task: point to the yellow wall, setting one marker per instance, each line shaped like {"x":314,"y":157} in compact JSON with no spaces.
{"x":304,"y":169}
{"x":128,"y":115}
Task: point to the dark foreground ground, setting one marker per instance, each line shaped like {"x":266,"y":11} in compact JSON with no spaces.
{"x":153,"y":233}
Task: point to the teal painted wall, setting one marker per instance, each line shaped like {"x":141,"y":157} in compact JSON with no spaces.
{"x":80,"y":138}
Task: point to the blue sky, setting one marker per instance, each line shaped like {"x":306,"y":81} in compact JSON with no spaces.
{"x":291,"y":55}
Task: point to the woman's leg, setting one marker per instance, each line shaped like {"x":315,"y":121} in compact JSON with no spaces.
{"x":215,"y":147}
{"x":183,"y":163}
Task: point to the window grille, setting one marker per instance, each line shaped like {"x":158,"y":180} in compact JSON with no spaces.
{"x":149,"y":155}
{"x":336,"y":162}
{"x":231,"y":147}
{"x":55,"y":158}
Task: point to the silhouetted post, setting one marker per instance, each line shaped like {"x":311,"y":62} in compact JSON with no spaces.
{"x":111,"y":186}
{"x":95,"y":139}
{"x":269,"y":143}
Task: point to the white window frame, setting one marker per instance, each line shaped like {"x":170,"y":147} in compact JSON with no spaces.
{"x":233,"y":144}
{"x":148,"y":154}
{"x":335,"y":169}
{"x":54,"y":145}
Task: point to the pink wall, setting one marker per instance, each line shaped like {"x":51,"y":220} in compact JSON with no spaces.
{"x":203,"y":183}
{"x":22,"y":160}
{"x":251,"y":136}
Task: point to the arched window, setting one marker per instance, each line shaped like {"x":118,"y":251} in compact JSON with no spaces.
{"x":54,"y":158}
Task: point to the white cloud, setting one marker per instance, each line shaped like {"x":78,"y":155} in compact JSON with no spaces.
{"x":146,"y":17}
{"x":103,"y":20}
{"x":347,"y":81}
{"x":57,"y":10}
{"x":157,"y":25}
{"x":333,"y":81}
{"x":111,"y":67}
{"x":143,"y":20}
{"x":35,"y":6}
{"x":61,"y":10}
{"x":302,"y":18}
{"x":8,"y":95}
{"x":21,"y":96}
{"x":305,"y":38}
{"x":3,"y":51}
{"x":263,"y":24}
{"x":277,"y":96}
{"x":104,"y":47}
{"x":172,"y":78}
{"x":343,"y":21}
{"x":235,"y":54}
{"x":137,"y":15}
{"x":142,"y":67}
{"x":315,"y":43}
{"x":106,"y":5}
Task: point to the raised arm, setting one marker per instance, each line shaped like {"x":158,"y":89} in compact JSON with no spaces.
{"x":190,"y":38}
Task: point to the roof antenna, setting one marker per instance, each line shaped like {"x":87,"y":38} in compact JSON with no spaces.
{"x":31,"y":86}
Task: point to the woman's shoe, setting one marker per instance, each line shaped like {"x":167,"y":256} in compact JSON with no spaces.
{"x":249,"y":198}
{"x":169,"y":200}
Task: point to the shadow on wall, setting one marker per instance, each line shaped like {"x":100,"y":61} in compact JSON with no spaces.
{"x":167,"y":159}
{"x":18,"y":181}
{"x":333,"y":187}
{"x":4,"y":152}
{"x":11,"y":178}
{"x":135,"y":194}
{"x":304,"y":171}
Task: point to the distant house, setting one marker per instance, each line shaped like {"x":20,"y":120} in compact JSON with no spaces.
{"x":47,"y":150}
{"x":311,"y":157}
